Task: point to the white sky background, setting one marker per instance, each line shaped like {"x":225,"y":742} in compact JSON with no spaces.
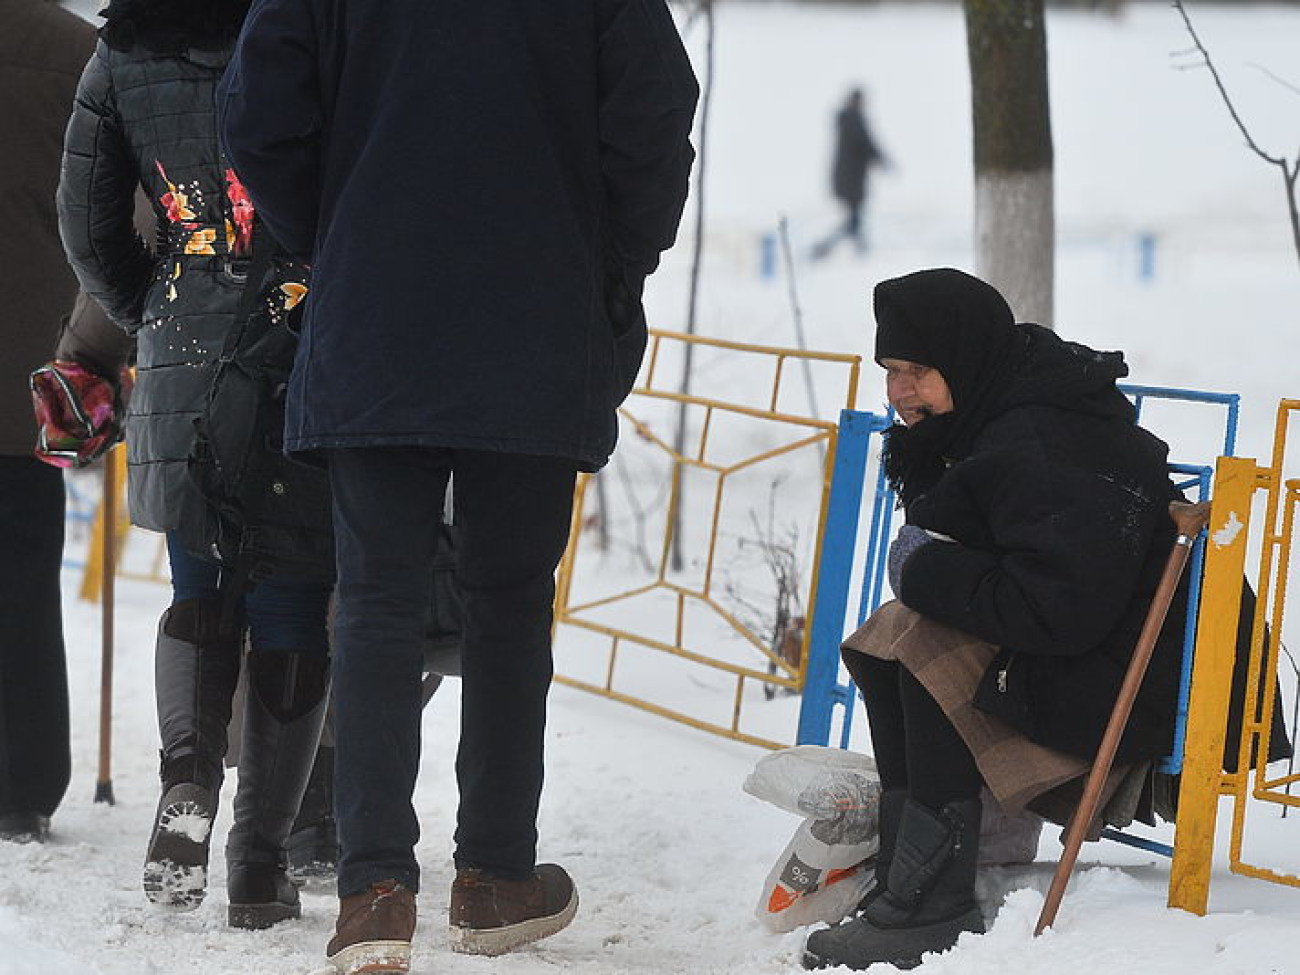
{"x":649,"y":816}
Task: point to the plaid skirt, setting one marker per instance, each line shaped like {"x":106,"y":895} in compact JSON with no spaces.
{"x":949,"y":664}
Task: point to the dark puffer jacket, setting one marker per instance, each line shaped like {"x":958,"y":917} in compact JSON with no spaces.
{"x":1058,"y":503}
{"x":145,"y":116}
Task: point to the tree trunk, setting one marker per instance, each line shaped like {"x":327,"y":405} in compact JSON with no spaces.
{"x":1014,"y":218}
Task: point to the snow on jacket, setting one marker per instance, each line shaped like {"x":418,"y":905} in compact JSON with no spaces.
{"x":145,"y":116}
{"x":42,"y":51}
{"x":1058,"y":503}
{"x":481,"y":189}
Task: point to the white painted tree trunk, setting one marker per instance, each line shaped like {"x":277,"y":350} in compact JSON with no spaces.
{"x":1015,"y":240}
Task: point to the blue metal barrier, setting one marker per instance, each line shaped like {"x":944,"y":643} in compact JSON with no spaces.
{"x":822,"y":689}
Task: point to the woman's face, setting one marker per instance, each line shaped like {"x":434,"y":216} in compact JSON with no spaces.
{"x":915,"y":391}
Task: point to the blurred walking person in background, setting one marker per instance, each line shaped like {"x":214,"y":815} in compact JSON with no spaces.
{"x":856,"y":154}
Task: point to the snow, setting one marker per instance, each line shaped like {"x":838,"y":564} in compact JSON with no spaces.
{"x":649,"y":815}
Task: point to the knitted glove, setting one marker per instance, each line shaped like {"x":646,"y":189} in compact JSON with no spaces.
{"x":79,"y":411}
{"x":910,"y":538}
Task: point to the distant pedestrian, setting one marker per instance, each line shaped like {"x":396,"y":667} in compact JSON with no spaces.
{"x":856,"y":154}
{"x":481,"y":190}
{"x":42,"y":50}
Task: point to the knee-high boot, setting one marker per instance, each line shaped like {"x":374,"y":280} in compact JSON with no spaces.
{"x":196,"y":667}
{"x":284,"y":711}
{"x":313,"y":844}
{"x":928,"y":899}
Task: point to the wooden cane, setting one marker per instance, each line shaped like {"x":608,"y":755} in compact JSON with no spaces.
{"x":104,"y":780}
{"x":1189,"y":519}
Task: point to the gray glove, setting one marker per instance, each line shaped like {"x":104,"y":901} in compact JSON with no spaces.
{"x":910,"y":538}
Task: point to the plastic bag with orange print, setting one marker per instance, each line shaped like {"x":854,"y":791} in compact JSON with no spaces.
{"x":828,"y":865}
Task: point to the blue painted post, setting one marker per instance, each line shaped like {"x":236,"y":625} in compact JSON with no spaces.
{"x":822,"y":690}
{"x":1146,"y":255}
{"x":767,"y":256}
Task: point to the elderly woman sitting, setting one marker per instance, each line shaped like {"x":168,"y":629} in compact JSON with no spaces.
{"x":1037,"y":530}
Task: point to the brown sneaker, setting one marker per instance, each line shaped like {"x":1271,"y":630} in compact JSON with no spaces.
{"x":490,"y":916}
{"x":373,"y":933}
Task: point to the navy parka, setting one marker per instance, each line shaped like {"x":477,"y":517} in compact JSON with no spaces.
{"x":481,"y":187}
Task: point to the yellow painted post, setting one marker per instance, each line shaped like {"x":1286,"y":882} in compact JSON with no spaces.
{"x":93,"y":576}
{"x":1207,"y":715}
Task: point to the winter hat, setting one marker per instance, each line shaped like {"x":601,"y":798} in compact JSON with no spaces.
{"x":951,"y":321}
{"x":958,"y":324}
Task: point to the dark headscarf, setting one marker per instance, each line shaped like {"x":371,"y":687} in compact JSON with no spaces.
{"x":963,"y":327}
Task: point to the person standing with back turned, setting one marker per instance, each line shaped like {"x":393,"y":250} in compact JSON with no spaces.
{"x":481,"y":189}
{"x":42,"y":50}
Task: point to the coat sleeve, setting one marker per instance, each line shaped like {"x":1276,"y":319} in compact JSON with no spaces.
{"x":647,"y":94}
{"x":89,"y":337}
{"x":1058,"y":562}
{"x":96,"y":201}
{"x":271,"y":119}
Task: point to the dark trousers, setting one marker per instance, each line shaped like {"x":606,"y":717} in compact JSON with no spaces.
{"x":851,"y":229}
{"x":916,"y":746}
{"x":512,"y":513}
{"x":283,"y":615}
{"x":35,"y":752}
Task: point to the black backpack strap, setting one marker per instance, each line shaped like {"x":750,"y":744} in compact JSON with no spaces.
{"x":265,"y":251}
{"x":237,"y":580}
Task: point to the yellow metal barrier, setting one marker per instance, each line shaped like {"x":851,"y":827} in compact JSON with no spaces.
{"x":661,"y":611}
{"x":1203,"y":780}
{"x":92,"y":577}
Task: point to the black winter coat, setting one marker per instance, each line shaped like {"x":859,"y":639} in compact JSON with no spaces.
{"x":481,"y":188}
{"x":855,"y":153}
{"x":42,"y":50}
{"x":1059,"y":509}
{"x":146,"y":116}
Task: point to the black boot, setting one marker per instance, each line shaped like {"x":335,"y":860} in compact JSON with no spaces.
{"x":196,"y":667}
{"x":929,"y":895}
{"x":891,"y":811}
{"x":283,"y":714}
{"x":313,"y":844}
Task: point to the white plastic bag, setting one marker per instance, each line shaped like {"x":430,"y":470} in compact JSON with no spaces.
{"x":827,"y":866}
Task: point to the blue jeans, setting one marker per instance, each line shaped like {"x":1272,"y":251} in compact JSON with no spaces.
{"x":512,"y":514}
{"x":283,"y":615}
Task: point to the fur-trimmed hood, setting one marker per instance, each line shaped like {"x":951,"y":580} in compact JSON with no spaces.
{"x":172,"y":26}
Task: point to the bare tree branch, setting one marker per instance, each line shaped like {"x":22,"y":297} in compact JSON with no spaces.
{"x":1290,"y":169}
{"x":1223,"y":91}
{"x":697,"y":257}
{"x":1275,"y":77}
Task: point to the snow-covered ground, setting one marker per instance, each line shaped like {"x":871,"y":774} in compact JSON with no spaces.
{"x":649,"y":815}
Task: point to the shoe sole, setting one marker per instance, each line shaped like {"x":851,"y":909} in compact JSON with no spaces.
{"x":498,"y":941}
{"x":259,"y":917}
{"x":372,"y":958}
{"x":176,"y":865}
